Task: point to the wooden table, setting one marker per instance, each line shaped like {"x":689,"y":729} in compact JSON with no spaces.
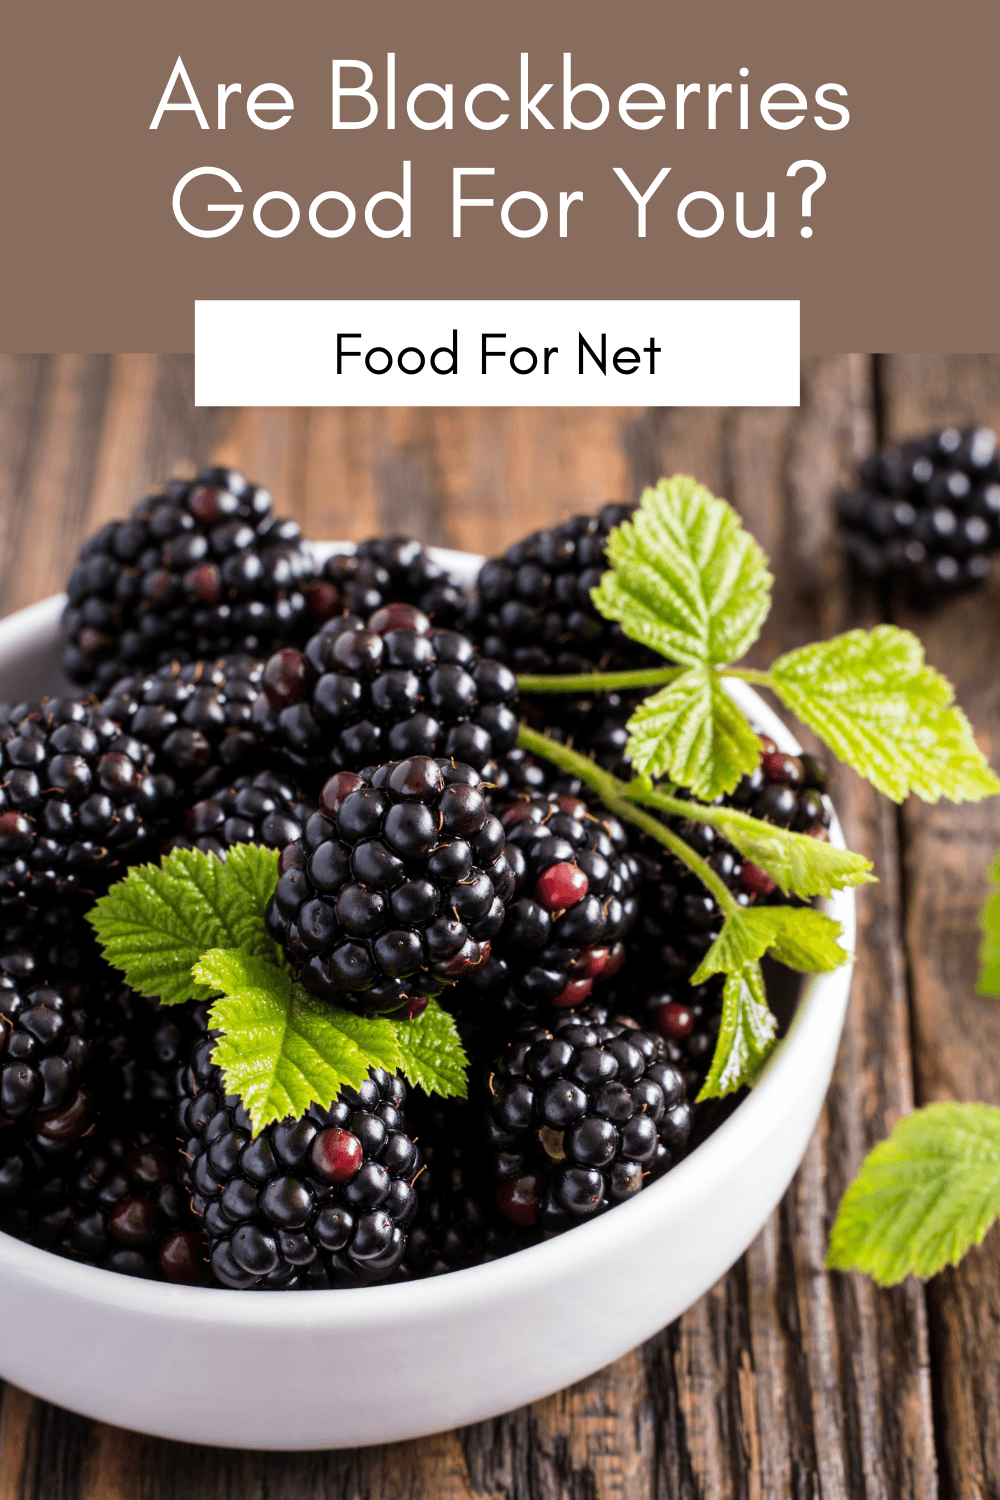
{"x":783,"y":1380}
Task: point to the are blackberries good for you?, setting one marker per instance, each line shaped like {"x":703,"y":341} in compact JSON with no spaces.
{"x":359,"y":924}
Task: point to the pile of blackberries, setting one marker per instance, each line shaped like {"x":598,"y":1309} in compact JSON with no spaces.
{"x":361,"y":718}
{"x":926,"y":514}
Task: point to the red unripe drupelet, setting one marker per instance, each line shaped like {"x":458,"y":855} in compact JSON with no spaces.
{"x":337,"y":1154}
{"x":520,"y":1199}
{"x":575,"y":993}
{"x":755,"y":880}
{"x":287,"y":678}
{"x":560,"y":886}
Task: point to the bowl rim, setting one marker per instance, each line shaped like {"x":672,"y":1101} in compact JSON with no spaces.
{"x":424,"y":1300}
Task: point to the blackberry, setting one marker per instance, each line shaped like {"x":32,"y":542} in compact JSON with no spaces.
{"x":196,"y":718}
{"x":262,"y":809}
{"x":119,"y":1208}
{"x":199,"y":570}
{"x":397,"y":888}
{"x":679,"y":920}
{"x":927,"y":513}
{"x":386,"y":570}
{"x":790,"y":791}
{"x":317,"y":1202}
{"x":78,"y":800}
{"x":575,"y":899}
{"x":138,"y":1045}
{"x":457,"y":1222}
{"x":360,"y":695}
{"x":532,"y":607}
{"x":583,"y":1110}
{"x":45,"y":1053}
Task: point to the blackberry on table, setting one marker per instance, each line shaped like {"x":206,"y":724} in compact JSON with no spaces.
{"x":263,"y":809}
{"x":532,"y":607}
{"x":386,"y":570}
{"x":927,"y":513}
{"x":397,"y":887}
{"x":360,"y":695}
{"x":323,"y":1201}
{"x":583,"y":1110}
{"x":196,"y":718}
{"x":79,"y":800}
{"x":199,"y":570}
{"x":116,"y":1207}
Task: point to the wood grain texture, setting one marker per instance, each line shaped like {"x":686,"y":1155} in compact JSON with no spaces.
{"x":946,"y":851}
{"x":783,"y":1381}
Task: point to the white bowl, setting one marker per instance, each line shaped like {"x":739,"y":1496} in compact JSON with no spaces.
{"x":281,"y":1369}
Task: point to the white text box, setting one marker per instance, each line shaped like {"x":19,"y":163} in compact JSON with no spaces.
{"x":496,"y":353}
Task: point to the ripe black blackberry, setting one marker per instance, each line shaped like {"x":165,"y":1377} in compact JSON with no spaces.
{"x":113,"y":1206}
{"x":47,"y":1085}
{"x":79,"y":800}
{"x":679,"y":919}
{"x":199,"y":570}
{"x":196,"y":718}
{"x":532,"y":607}
{"x":583,"y":1110}
{"x":45,"y":1055}
{"x":386,"y":570}
{"x":263,"y":809}
{"x":317,"y":1202}
{"x":927,"y":513}
{"x":138,"y":1045}
{"x":397,"y":887}
{"x":360,"y":695}
{"x":457,"y":1222}
{"x":575,"y":899}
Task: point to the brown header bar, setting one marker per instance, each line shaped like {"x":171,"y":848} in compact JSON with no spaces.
{"x":904,"y":225}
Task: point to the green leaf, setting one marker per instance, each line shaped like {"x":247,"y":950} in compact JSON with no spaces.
{"x":871,"y":697}
{"x":686,"y":579}
{"x":158,"y":921}
{"x":692,"y":733}
{"x":431,"y":1053}
{"x":281,"y":1050}
{"x":922,"y":1197}
{"x":988,"y":982}
{"x":747,"y":1034}
{"x":797,"y":863}
{"x":253,"y":872}
{"x":797,"y":936}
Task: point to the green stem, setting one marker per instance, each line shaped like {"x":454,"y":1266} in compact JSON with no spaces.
{"x":610,"y":682}
{"x":597,"y":682}
{"x":615,"y":796}
{"x":748,"y":674}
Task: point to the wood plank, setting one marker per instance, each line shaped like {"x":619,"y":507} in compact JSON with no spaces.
{"x":946,"y":850}
{"x":782,"y":1381}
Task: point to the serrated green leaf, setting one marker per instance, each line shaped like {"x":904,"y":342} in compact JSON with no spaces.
{"x":281,"y":1050}
{"x":686,"y":579}
{"x":747,"y":1034}
{"x":158,"y":921}
{"x":988,"y":982}
{"x":922,"y":1197}
{"x":254,"y":872}
{"x":871,"y":697}
{"x":799,"y":864}
{"x":431,"y":1053}
{"x":797,"y":936}
{"x":692,"y":732}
